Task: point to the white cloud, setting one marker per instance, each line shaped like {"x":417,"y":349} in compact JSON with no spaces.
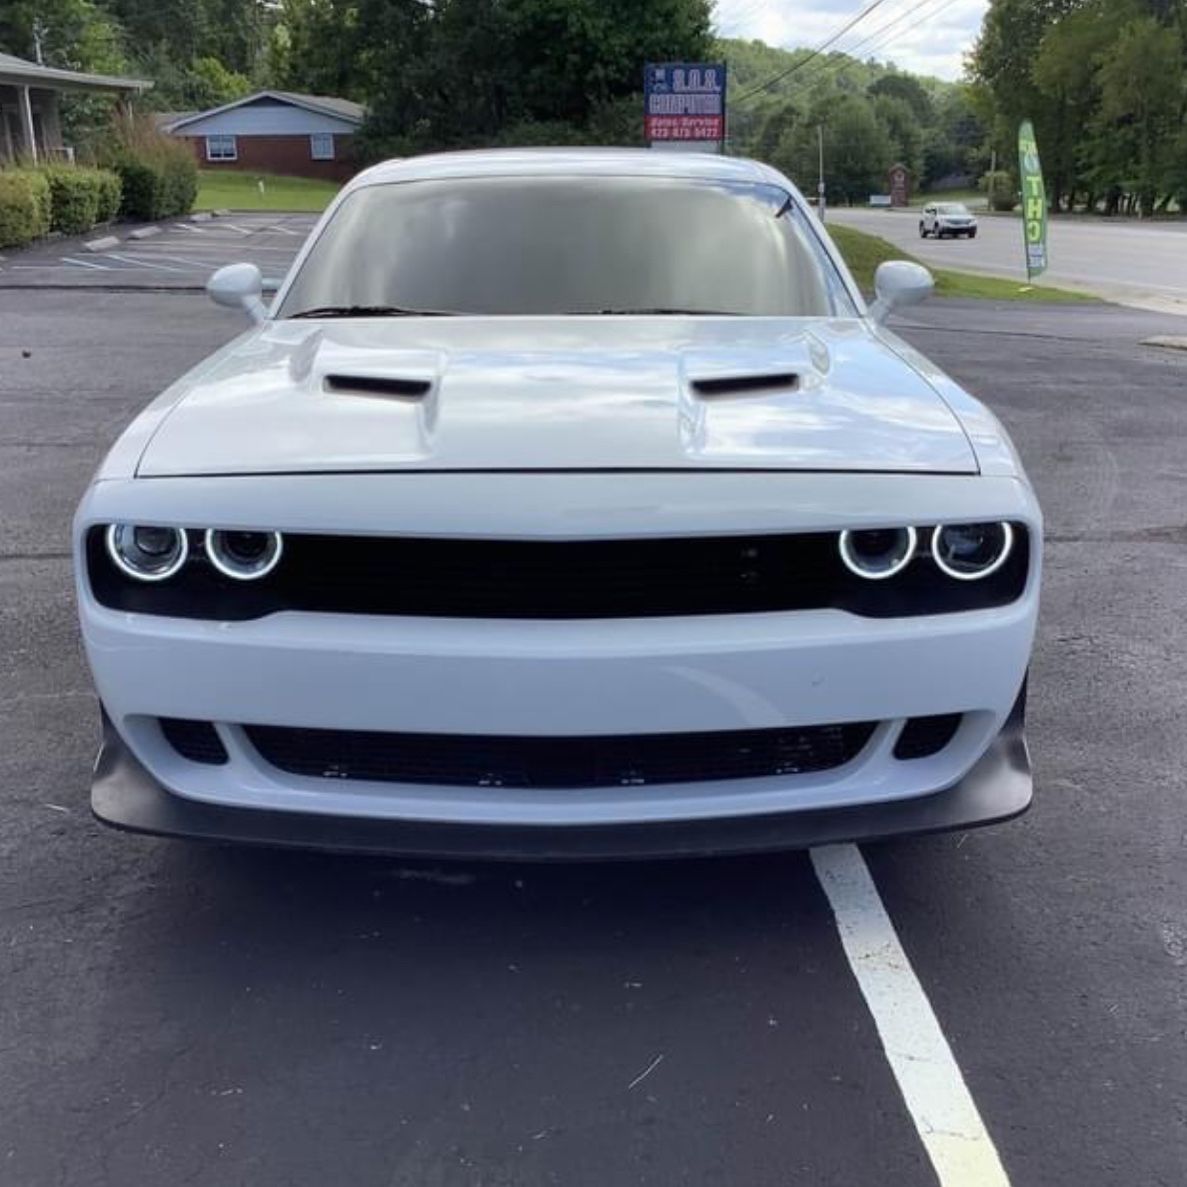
{"x":924,"y":36}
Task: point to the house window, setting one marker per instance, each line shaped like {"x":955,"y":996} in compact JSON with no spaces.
{"x":321,"y":146}
{"x":221,"y":148}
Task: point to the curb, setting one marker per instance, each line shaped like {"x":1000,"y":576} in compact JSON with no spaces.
{"x":106,"y":243}
{"x":144,"y":232}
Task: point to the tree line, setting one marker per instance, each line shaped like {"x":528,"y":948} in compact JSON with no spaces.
{"x":1105,"y":82}
{"x":869,"y":115}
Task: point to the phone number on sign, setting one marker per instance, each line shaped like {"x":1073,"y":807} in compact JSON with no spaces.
{"x":683,"y":127}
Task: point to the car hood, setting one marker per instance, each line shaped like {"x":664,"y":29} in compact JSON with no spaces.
{"x":556,"y":394}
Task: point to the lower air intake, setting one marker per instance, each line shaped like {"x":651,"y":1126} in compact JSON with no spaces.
{"x":924,"y":736}
{"x":196,"y":740}
{"x":463,"y":760}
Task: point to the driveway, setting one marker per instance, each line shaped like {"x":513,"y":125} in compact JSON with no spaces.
{"x":172,"y":1013}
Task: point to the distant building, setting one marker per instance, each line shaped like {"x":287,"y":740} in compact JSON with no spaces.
{"x":30,"y":121}
{"x":273,"y":132}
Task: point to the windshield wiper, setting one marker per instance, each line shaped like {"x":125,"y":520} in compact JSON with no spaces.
{"x":657,"y":311}
{"x":369,"y":311}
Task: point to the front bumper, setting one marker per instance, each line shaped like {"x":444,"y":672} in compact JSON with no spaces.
{"x":560,"y":679}
{"x":997,"y":788}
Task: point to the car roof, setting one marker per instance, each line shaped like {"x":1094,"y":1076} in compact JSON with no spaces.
{"x":606,"y":162}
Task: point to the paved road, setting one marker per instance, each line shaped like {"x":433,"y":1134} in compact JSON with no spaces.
{"x":1118,"y":260}
{"x":173,"y":1014}
{"x":182,"y":255}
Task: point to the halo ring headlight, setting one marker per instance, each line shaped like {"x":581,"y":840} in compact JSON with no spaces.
{"x":877,"y":553}
{"x":146,"y":552}
{"x":970,"y":573}
{"x":243,"y":555}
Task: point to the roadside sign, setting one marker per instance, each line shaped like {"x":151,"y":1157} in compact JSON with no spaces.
{"x":684,"y":104}
{"x":1034,"y":201}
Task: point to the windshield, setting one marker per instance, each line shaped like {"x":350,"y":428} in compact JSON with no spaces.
{"x":565,"y":245}
{"x":952,"y":208}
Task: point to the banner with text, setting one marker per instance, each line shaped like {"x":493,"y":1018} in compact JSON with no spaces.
{"x":684,"y":102}
{"x":1034,"y":201}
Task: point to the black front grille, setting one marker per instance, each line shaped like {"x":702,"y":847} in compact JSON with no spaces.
{"x":543,"y":579}
{"x":196,"y":740}
{"x":465,"y":760}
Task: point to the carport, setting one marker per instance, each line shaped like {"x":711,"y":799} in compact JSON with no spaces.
{"x":30,"y":120}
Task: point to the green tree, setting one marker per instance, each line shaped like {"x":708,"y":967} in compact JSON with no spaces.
{"x":902,"y":127}
{"x":1141,"y":79}
{"x":857,"y":149}
{"x":1002,"y":62}
{"x":908,"y":89}
{"x":473,"y":67}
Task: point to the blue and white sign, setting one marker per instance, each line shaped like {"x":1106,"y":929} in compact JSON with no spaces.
{"x":684,"y":102}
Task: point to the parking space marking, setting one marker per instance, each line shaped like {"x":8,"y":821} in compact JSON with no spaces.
{"x":129,"y":259}
{"x":80,"y":263}
{"x":941,"y":1107}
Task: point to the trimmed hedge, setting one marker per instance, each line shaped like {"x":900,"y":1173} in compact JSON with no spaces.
{"x":63,"y":198}
{"x":111,"y":192}
{"x":24,"y":206}
{"x":159,"y":185}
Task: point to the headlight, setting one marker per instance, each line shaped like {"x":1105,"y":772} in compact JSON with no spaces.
{"x":970,"y":551}
{"x":245,"y":556}
{"x":877,"y":553}
{"x":145,"y":552}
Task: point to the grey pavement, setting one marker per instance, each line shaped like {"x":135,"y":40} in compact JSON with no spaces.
{"x":171,"y":1014}
{"x":1133,"y":262}
{"x":181,"y":256}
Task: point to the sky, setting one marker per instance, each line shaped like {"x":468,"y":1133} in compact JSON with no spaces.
{"x":923,"y":36}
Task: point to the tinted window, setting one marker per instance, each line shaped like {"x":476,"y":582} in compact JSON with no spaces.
{"x":554,"y":245}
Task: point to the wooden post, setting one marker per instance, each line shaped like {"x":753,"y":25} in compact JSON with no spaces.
{"x":27,"y":123}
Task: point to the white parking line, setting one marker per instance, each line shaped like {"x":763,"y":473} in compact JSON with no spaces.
{"x":85,"y":264}
{"x":945,"y":1116}
{"x":129,"y":259}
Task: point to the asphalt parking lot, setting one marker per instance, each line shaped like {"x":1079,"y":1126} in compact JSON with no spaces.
{"x":174,"y":1014}
{"x":177,"y":253}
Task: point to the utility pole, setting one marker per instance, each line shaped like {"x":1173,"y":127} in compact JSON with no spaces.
{"x":820,"y":183}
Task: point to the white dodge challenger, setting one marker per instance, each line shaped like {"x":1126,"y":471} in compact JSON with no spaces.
{"x":561,"y":504}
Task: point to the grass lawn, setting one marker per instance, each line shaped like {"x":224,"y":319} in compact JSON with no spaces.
{"x":863,"y":253}
{"x":220,"y":189}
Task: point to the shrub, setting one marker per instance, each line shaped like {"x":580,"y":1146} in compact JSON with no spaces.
{"x":1000,"y":188}
{"x":24,"y":206}
{"x":158,"y":175}
{"x":110,"y":195}
{"x":142,"y":188}
{"x":181,"y":181}
{"x":74,"y":198}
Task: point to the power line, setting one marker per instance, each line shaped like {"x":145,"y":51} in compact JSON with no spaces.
{"x":795,"y":67}
{"x":877,"y":38}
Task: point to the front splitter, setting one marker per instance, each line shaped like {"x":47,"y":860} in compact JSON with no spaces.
{"x":999,"y":787}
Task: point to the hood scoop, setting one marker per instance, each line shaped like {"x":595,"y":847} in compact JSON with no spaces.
{"x":393,"y":386}
{"x":746,"y":384}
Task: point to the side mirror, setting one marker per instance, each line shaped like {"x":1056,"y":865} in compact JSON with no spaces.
{"x":239,"y":286}
{"x":899,"y":284}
